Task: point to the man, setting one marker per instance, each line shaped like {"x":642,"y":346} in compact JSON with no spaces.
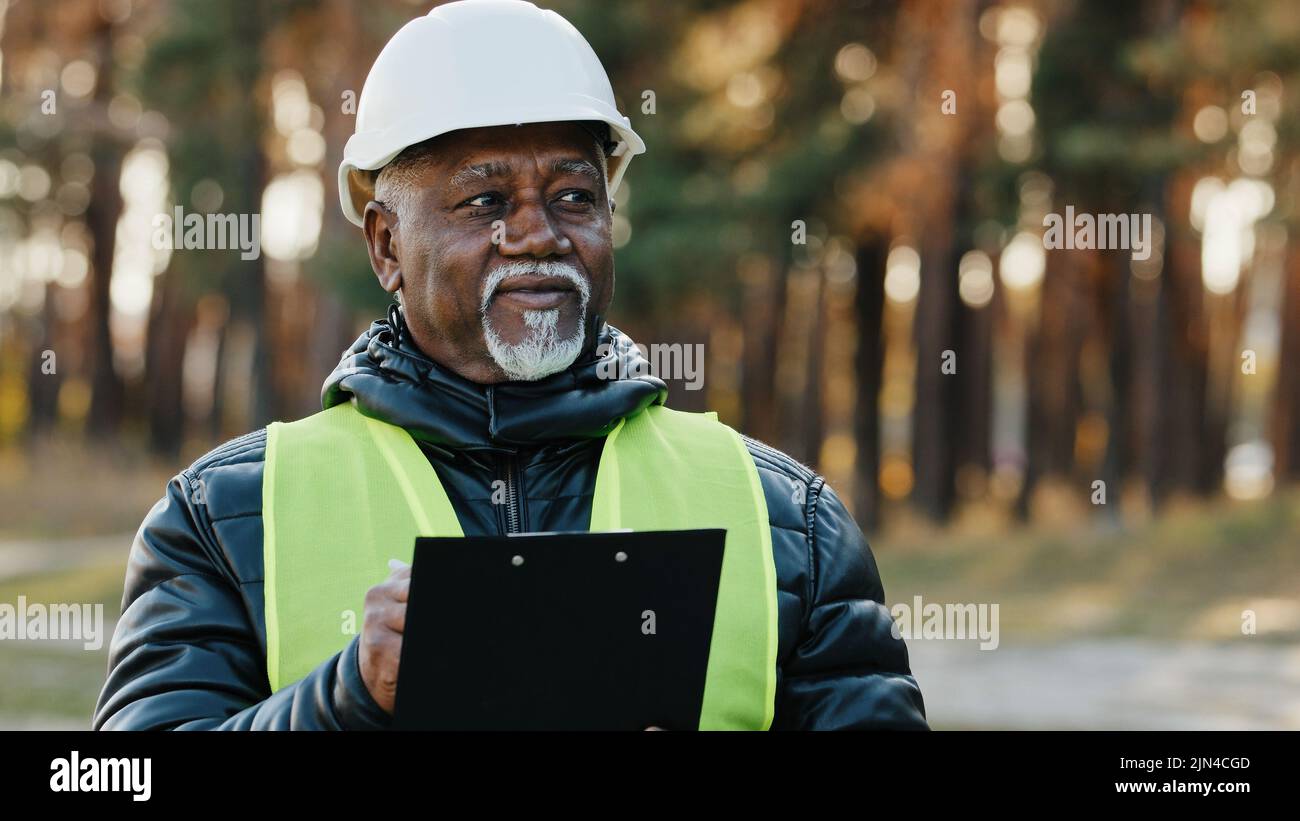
{"x":487,"y":150}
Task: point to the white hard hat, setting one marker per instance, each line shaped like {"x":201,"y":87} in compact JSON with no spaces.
{"x":476,"y":63}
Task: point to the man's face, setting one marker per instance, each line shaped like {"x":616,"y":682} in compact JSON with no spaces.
{"x":503,"y":249}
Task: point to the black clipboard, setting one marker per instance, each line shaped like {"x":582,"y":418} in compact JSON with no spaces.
{"x":559,"y":631}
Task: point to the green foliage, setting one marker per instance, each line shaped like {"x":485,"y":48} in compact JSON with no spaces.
{"x":342,"y":266}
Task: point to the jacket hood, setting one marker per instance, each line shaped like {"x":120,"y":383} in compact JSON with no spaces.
{"x":392,"y":380}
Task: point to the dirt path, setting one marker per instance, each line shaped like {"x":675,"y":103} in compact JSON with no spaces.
{"x":21,"y":557}
{"x":1110,"y":684}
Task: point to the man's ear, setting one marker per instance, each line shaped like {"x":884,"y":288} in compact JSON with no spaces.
{"x":380,"y":226}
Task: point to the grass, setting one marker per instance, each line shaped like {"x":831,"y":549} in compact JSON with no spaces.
{"x":59,"y":489}
{"x":50,"y":684}
{"x":1189,"y":574}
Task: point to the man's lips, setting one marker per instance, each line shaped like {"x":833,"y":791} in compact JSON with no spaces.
{"x":535,"y":292}
{"x":534,"y":283}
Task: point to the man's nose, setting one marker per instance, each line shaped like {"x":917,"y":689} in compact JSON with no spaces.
{"x":530,"y":231}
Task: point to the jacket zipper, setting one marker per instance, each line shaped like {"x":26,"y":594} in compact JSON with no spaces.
{"x":513,"y":523}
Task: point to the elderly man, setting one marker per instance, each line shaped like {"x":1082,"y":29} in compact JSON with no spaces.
{"x":487,"y":149}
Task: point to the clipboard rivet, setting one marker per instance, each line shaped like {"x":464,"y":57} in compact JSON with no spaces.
{"x":620,"y":556}
{"x":517,"y":560}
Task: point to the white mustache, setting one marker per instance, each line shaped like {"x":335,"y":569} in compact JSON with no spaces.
{"x":537,"y":267}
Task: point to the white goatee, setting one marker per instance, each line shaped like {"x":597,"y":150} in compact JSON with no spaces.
{"x":541,"y":352}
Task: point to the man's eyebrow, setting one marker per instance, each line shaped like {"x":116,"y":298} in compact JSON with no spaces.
{"x":493,"y":168}
{"x":479,"y":172}
{"x":568,"y":166}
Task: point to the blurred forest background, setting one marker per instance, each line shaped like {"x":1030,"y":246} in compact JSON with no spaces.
{"x":915,"y":145}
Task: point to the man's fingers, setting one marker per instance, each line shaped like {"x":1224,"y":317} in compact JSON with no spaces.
{"x":401,"y":589}
{"x":393,"y":616}
{"x":385,"y":613}
{"x":390,"y":589}
{"x":386,"y":601}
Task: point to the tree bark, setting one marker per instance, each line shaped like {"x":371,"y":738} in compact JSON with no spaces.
{"x":170,"y":322}
{"x":1286,"y":407}
{"x":102,"y":214}
{"x":869,"y":303}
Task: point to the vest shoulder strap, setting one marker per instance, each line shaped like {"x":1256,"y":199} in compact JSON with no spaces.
{"x":341,"y":494}
{"x":671,"y":470}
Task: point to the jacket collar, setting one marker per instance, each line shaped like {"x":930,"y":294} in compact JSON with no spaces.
{"x":392,"y":380}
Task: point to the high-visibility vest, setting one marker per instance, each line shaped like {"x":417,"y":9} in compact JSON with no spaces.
{"x":342,"y":493}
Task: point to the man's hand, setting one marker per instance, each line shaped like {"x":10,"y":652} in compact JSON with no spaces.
{"x":381,"y":634}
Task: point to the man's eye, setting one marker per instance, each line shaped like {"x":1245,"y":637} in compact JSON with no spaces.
{"x":482,"y":201}
{"x":578,"y":197}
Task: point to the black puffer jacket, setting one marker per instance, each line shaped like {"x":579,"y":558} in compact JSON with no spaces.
{"x":190,"y":649}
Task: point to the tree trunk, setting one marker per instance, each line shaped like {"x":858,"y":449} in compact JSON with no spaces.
{"x":975,"y":389}
{"x":101,"y":219}
{"x":945,"y":62}
{"x":1286,"y":408}
{"x":1115,"y":461}
{"x":763,"y":319}
{"x":812,"y":424}
{"x":869,"y":303}
{"x":42,"y":387}
{"x":249,"y":300}
{"x":170,"y":322}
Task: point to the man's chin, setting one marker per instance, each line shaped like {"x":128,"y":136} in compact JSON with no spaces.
{"x":513,"y":327}
{"x":535,"y":354}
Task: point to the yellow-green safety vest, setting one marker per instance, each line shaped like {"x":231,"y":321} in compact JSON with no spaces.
{"x":342,"y":493}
